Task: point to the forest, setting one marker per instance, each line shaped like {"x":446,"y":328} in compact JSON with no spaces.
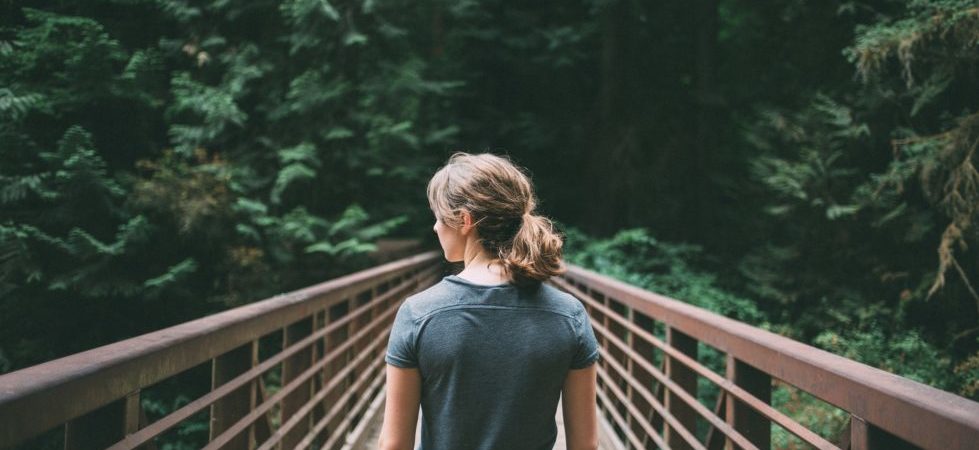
{"x":808,"y":167}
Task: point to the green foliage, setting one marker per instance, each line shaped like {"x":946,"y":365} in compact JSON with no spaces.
{"x":198,"y":166}
{"x":967,"y":375}
{"x":814,"y":176}
{"x":298,"y":163}
{"x":213,"y":107}
{"x":865,"y":184}
{"x":675,"y":270}
{"x":937,"y":37}
{"x":14,"y":106}
{"x":932,"y":33}
{"x":174,"y":275}
{"x":188,"y":434}
{"x":903,"y":352}
{"x":814,"y":414}
{"x":67,"y":60}
{"x":74,"y":187}
{"x":809,"y":166}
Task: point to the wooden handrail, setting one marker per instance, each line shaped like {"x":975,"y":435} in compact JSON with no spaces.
{"x":887,"y":411}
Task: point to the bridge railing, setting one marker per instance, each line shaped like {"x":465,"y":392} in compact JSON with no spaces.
{"x":655,"y":405}
{"x":330,"y":365}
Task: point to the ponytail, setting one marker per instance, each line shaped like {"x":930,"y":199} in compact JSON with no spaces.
{"x":500,"y":198}
{"x":535,"y":254}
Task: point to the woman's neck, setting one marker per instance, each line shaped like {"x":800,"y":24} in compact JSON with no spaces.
{"x":484,"y":270}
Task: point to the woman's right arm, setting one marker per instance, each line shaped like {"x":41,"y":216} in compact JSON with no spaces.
{"x":578,"y":405}
{"x":403,"y":387}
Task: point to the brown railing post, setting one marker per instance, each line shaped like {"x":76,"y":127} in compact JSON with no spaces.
{"x":750,"y":423}
{"x":104,"y":426}
{"x":858,"y":434}
{"x":319,"y":352}
{"x":262,"y":428}
{"x":331,"y":341}
{"x":660,"y":393}
{"x":630,"y":342}
{"x":686,"y":378}
{"x":646,"y":379}
{"x":228,"y":410}
{"x":292,"y":367}
{"x":865,"y":436}
{"x":715,"y":440}
{"x":357,"y":349}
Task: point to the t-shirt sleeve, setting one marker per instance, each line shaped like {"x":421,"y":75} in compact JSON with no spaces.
{"x":587,"y":352}
{"x":401,"y":349}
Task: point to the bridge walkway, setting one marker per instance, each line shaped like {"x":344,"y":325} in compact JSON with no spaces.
{"x":606,"y":437}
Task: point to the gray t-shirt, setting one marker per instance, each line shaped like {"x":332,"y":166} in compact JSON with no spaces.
{"x":492,"y":359}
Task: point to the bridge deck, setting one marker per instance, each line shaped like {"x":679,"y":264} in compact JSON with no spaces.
{"x":606,"y":440}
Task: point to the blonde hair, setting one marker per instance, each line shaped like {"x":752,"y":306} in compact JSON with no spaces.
{"x":501,"y":200}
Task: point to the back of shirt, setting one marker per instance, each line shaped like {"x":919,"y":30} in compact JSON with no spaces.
{"x":493,"y":360}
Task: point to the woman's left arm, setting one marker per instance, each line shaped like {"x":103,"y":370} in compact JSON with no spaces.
{"x":402,"y":397}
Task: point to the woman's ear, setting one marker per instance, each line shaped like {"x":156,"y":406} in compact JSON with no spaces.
{"x":467,"y":223}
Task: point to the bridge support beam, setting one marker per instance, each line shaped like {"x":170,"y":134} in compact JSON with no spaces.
{"x":292,"y":367}
{"x":104,"y":426}
{"x":750,"y":423}
{"x":866,"y":436}
{"x":330,"y":342}
{"x":686,"y":378}
{"x":231,"y":408}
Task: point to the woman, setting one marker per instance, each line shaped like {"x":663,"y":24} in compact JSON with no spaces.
{"x":489,"y":352}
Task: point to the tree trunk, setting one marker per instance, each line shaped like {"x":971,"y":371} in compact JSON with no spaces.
{"x":609,"y":162}
{"x":706,"y":142}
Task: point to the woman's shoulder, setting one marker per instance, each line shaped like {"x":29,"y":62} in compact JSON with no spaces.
{"x":561,"y":299}
{"x":433,"y":297}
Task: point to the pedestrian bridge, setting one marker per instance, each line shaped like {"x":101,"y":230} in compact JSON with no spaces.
{"x":305,"y":370}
